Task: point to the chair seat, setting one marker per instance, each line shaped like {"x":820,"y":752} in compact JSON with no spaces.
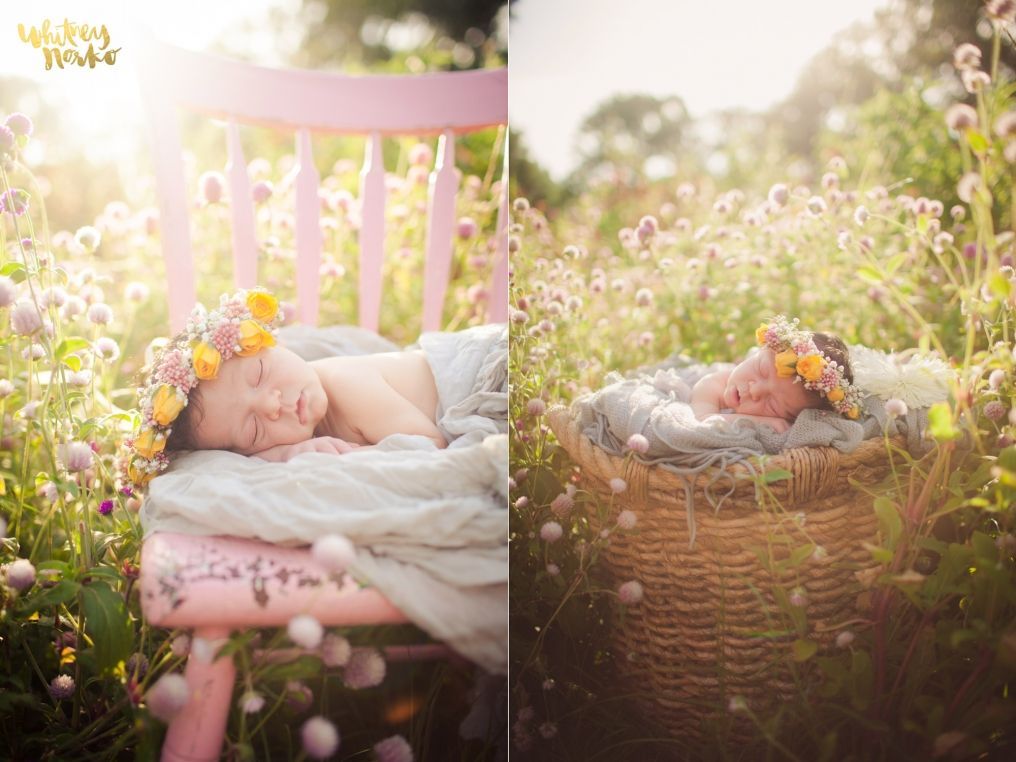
{"x":195,"y":581}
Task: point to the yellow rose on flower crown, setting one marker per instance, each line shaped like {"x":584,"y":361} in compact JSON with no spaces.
{"x":263,"y":306}
{"x":253,"y":338}
{"x":786,"y":364}
{"x":810,"y":368}
{"x":206,"y":361}
{"x":166,"y":405}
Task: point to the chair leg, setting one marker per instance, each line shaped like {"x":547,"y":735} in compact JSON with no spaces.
{"x":196,"y":734}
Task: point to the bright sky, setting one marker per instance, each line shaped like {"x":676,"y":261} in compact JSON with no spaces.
{"x":567,"y":56}
{"x":103,"y":102}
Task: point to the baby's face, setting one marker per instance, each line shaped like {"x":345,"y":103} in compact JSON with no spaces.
{"x":753,"y":388}
{"x":271,"y":398}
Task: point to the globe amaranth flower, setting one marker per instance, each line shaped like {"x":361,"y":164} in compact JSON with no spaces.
{"x":61,"y":687}
{"x":88,"y":238}
{"x":320,"y":738}
{"x":7,"y":140}
{"x":75,"y":456}
{"x":630,"y":592}
{"x":25,"y":318}
{"x":8,"y":291}
{"x":100,"y":314}
{"x":393,"y":749}
{"x":995,"y":410}
{"x":335,"y":650}
{"x":844,"y":639}
{"x":618,"y":485}
{"x":106,"y":507}
{"x":305,"y":631}
{"x":19,"y":124}
{"x":627,"y":519}
{"x":365,"y":668}
{"x":334,"y":552}
{"x":638,"y":443}
{"x":168,"y":696}
{"x":960,"y":117}
{"x":551,"y":532}
{"x":975,"y":80}
{"x":562,"y":505}
{"x":20,"y":574}
{"x":107,"y":348}
{"x":536,"y":407}
{"x":967,"y":56}
{"x":14,"y":201}
{"x":251,"y":702}
{"x":212,"y":185}
{"x":1001,"y":11}
{"x":466,"y":228}
{"x":136,"y":292}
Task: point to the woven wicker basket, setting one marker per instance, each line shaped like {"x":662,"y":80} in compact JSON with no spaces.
{"x":703,"y":632}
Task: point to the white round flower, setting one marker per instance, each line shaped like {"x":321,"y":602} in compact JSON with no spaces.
{"x":335,"y":650}
{"x":320,"y":738}
{"x":100,"y":314}
{"x":305,"y":630}
{"x":630,"y":592}
{"x":251,"y":702}
{"x":334,"y":552}
{"x":168,"y":696}
{"x":393,"y":749}
{"x":365,"y":669}
{"x":551,"y":532}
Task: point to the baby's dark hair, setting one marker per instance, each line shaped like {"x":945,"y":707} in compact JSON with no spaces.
{"x":835,"y":349}
{"x":181,"y":436}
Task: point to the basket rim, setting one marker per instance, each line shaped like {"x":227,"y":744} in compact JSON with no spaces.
{"x":573,"y":440}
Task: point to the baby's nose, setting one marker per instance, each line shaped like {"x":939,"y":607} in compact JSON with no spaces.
{"x":273,"y":404}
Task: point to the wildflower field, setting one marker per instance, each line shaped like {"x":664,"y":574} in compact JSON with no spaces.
{"x":899,"y":237}
{"x":82,"y":675}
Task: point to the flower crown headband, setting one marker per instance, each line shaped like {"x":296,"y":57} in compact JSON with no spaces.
{"x":797,"y":355}
{"x":241,"y":326}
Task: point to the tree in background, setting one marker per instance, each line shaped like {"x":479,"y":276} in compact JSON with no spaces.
{"x":632,"y":139}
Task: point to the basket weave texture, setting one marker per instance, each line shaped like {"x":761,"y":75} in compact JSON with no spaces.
{"x":706,"y":628}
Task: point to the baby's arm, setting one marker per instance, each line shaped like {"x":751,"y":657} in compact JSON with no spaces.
{"x":282,"y":453}
{"x":707,"y":394}
{"x":377,"y":410}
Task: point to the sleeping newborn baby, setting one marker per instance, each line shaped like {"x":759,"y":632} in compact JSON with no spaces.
{"x":224,"y":383}
{"x":792,"y":371}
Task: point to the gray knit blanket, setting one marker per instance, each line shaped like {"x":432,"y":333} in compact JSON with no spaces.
{"x":654,"y":402}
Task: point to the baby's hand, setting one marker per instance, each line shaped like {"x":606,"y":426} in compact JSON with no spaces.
{"x":329,"y":445}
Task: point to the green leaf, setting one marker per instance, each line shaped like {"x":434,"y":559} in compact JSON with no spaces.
{"x":894,"y":263}
{"x":870,"y":274}
{"x":977,"y":141}
{"x":940,"y":422}
{"x":14,"y":270}
{"x":799,"y":555}
{"x":889,"y":520}
{"x":804,"y":649}
{"x":107,"y":624}
{"x":1000,"y":286}
{"x":984,"y":547}
{"x":922,"y":225}
{"x":69,"y":346}
{"x":73,"y":362}
{"x":778,"y":475}
{"x":62,"y":592}
{"x":879,"y":554}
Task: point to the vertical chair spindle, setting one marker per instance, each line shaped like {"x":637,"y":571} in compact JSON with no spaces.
{"x":245,"y":249}
{"x":497,"y":302}
{"x":372,"y":231}
{"x":174,"y":217}
{"x":444,"y":184}
{"x":308,"y":231}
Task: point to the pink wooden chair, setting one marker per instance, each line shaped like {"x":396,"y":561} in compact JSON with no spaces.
{"x":215,"y":585}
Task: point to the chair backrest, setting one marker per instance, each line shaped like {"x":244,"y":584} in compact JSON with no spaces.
{"x":447,"y":104}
